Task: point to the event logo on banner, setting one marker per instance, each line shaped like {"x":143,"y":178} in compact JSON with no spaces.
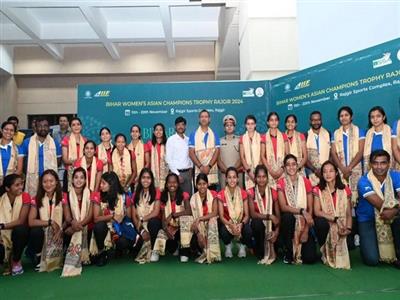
{"x":119,"y":106}
{"x":360,"y":80}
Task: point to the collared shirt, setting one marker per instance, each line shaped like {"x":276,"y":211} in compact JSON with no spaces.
{"x":24,"y":151}
{"x":58,"y":135}
{"x":377,"y":140}
{"x":346,"y":144}
{"x":6,"y":151}
{"x":365,"y":210}
{"x":229,"y":150}
{"x":177,"y":153}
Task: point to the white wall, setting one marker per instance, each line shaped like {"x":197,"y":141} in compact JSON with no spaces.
{"x":329,"y":29}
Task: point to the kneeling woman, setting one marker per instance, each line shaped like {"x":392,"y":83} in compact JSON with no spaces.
{"x":234,"y":215}
{"x":204,"y":206}
{"x":79,"y":217}
{"x":176,"y":220}
{"x":108,"y":214}
{"x":296,"y":205}
{"x":145,"y":213}
{"x":265,"y":216}
{"x":332,"y":207}
{"x":46,"y":221}
{"x":14,"y":232}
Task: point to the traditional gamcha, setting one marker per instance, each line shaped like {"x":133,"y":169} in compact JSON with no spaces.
{"x":182,"y":195}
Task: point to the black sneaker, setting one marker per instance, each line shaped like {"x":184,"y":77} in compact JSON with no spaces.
{"x":287,"y":260}
{"x":102,"y":259}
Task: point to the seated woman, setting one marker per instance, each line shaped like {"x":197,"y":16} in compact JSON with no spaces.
{"x":14,"y":232}
{"x":265,"y":216}
{"x":234,"y":215}
{"x":79,"y":216}
{"x":92,"y":166}
{"x":46,"y":222}
{"x":108,"y":217}
{"x":296,"y":205}
{"x":332,"y":208}
{"x":144,"y":209}
{"x":204,"y":206}
{"x":176,"y":220}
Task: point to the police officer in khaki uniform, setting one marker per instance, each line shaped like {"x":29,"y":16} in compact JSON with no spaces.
{"x":229,"y":151}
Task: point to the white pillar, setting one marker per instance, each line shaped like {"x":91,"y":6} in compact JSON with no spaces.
{"x":268,"y":38}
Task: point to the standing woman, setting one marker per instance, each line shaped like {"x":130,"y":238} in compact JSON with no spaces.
{"x":9,"y":162}
{"x":72,"y":150}
{"x":296,"y":141}
{"x":175,"y":234}
{"x":204,"y":206}
{"x":144,"y":211}
{"x":104,"y":149}
{"x":333,"y":223}
{"x":108,"y":211}
{"x":157,"y":148}
{"x":347,"y":150}
{"x":234,"y":215}
{"x":250,"y":150}
{"x":379,"y":136}
{"x":140,"y":149}
{"x":14,"y":232}
{"x":46,"y":221}
{"x":123,"y":162}
{"x":80,"y":218}
{"x":274,"y":150}
{"x":296,"y":205}
{"x":265,"y":216}
{"x":92,"y":165}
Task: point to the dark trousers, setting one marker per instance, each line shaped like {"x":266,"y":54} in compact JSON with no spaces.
{"x":19,"y":238}
{"x":172,"y":245}
{"x":369,"y":243}
{"x":187,"y":181}
{"x":258,"y":229}
{"x":308,"y":249}
{"x":153,"y":225}
{"x":322,"y":230}
{"x":100,"y":232}
{"x":227,"y":237}
{"x":36,"y":239}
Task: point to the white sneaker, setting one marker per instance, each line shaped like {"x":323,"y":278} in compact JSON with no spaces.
{"x":184,"y":259}
{"x":176,"y":253}
{"x":242,"y":251}
{"x":154,"y":257}
{"x":228,"y":251}
{"x":356,"y":240}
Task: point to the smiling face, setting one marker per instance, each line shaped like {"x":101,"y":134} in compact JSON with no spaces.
{"x":202,"y":186}
{"x":204,"y":119}
{"x":49,"y":183}
{"x":345,"y":118}
{"x":232,"y":179}
{"x":261,"y":178}
{"x":329,"y":173}
{"x":291,"y":123}
{"x":90,"y":150}
{"x":229,"y":127}
{"x":135,"y":133}
{"x":180,"y":128}
{"x":76,"y":127}
{"x":145,"y":180}
{"x":172,"y":184}
{"x":8,"y":132}
{"x":158,"y":132}
{"x":250,"y":125}
{"x":316,"y":121}
{"x":16,"y":188}
{"x":120,"y":143}
{"x":376,"y":118}
{"x":79,"y":180}
{"x":273,"y":122}
{"x":380,"y":165}
{"x":291,"y":167}
{"x":105,"y":136}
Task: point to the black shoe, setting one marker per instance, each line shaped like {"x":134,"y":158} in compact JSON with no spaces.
{"x":102,"y":259}
{"x":396,"y":264}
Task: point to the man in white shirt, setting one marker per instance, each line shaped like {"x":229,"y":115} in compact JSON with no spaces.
{"x":178,"y":159}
